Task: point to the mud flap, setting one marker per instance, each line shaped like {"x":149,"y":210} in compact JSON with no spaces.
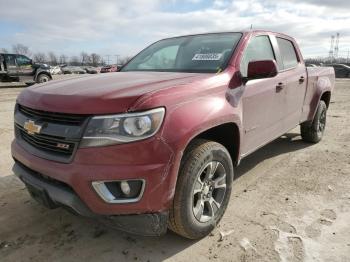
{"x":143,"y":224}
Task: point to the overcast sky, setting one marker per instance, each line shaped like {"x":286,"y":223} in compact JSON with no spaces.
{"x":124,"y":27}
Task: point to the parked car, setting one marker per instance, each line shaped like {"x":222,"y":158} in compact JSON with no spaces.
{"x":55,"y":70}
{"x":73,"y":70}
{"x":91,"y":69}
{"x":311,"y":65}
{"x":341,"y":70}
{"x":20,"y":68}
{"x":156,"y":144}
{"x":109,"y":68}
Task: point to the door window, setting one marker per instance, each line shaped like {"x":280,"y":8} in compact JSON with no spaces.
{"x":289,"y":57}
{"x":23,"y":60}
{"x":259,"y":48}
{"x":10,"y":60}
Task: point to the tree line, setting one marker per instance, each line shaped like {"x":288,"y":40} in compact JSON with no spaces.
{"x":51,"y":58}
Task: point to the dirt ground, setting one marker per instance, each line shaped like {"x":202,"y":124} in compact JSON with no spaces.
{"x":290,"y":202}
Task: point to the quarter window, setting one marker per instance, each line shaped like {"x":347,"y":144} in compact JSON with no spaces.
{"x":258,"y":49}
{"x":289,"y":57}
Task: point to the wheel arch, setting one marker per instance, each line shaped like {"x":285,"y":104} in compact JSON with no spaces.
{"x":324,"y":88}
{"x":326,"y":97}
{"x":42,"y":73}
{"x":227,"y":134}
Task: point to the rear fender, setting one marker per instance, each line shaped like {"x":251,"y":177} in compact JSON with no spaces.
{"x":323,"y":85}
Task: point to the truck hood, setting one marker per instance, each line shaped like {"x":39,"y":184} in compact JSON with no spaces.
{"x":101,"y":94}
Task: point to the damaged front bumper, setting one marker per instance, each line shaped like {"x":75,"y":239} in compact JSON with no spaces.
{"x":52,"y":194}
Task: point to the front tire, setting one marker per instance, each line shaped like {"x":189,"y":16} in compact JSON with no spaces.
{"x":203,"y":189}
{"x":312,"y":132}
{"x":42,"y":78}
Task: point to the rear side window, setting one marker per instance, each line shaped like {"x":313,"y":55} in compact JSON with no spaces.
{"x":259,"y":48}
{"x":10,"y":60}
{"x":289,"y":57}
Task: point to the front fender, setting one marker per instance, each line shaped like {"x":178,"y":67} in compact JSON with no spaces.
{"x":42,"y":71}
{"x":186,"y":121}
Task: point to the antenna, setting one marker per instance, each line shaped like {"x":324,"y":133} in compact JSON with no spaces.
{"x":117,"y":59}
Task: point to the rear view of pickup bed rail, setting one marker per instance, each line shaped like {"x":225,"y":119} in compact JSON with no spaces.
{"x":154,"y":145}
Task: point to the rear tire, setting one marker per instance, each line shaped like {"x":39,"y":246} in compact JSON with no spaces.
{"x":203,"y":189}
{"x":312,"y":132}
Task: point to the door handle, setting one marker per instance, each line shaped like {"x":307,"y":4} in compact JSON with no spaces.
{"x":279,"y":87}
{"x":301,"y":80}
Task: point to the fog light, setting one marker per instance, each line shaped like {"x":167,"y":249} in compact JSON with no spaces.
{"x":120,"y":191}
{"x":124,"y":185}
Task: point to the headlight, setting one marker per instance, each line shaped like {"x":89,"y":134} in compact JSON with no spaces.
{"x":122,"y":128}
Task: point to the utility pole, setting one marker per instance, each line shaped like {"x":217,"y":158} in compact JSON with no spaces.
{"x":336,"y":47}
{"x":117,"y":59}
{"x":108,"y":59}
{"x":331,"y":50}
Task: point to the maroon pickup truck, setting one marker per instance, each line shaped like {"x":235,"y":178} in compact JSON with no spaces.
{"x":154,"y":146}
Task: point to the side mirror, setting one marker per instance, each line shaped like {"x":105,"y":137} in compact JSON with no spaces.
{"x":261,"y":69}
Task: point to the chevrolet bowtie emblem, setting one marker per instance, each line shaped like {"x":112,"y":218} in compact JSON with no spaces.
{"x":31,"y":127}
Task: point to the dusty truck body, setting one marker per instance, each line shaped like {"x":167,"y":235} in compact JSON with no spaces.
{"x":154,"y":146}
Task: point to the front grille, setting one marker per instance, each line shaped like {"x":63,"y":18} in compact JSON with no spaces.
{"x":58,"y":137}
{"x":52,"y":144}
{"x":59,"y":118}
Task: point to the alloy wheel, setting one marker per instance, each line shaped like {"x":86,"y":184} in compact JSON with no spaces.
{"x":209,"y":191}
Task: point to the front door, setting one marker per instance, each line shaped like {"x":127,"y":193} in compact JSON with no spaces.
{"x":25,"y":68}
{"x":263,"y":100}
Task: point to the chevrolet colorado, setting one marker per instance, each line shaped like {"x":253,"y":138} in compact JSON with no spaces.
{"x":154,"y":146}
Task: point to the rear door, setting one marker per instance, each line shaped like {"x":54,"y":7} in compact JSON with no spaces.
{"x":2,"y":65}
{"x":11,"y":67}
{"x":263,"y":100}
{"x":2,"y":68}
{"x":292,"y":71}
{"x":26,"y":70}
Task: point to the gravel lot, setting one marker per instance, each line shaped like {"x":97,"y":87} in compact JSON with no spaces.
{"x":290,"y":202}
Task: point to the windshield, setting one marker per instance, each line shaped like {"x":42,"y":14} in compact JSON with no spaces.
{"x":208,"y":53}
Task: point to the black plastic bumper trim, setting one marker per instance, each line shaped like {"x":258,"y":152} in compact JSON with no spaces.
{"x":153,"y":224}
{"x":58,"y":194}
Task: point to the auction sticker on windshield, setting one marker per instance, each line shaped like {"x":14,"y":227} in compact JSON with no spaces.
{"x":214,"y":56}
